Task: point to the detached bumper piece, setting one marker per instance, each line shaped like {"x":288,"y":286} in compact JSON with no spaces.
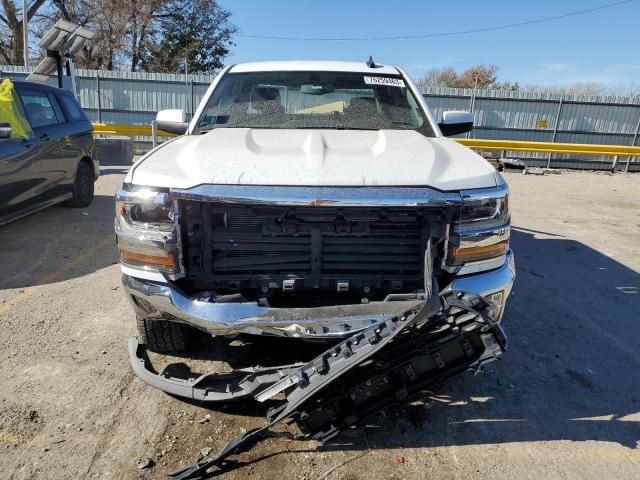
{"x":209,"y":387}
{"x":380,"y":366}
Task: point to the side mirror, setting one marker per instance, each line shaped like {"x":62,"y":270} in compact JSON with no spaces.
{"x":172,"y":121}
{"x":455,"y":122}
{"x":5,"y":130}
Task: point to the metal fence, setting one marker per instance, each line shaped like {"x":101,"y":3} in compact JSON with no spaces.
{"x":135,"y":97}
{"x":545,"y":117}
{"x":130,"y":98}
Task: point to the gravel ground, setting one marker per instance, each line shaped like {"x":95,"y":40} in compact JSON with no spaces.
{"x":564,"y":403}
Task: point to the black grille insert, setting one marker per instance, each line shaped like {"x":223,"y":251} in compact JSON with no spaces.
{"x":257,"y":247}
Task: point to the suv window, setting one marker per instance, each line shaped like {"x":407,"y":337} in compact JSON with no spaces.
{"x":71,"y":108}
{"x":56,"y":107}
{"x":39,"y":109}
{"x":341,"y":100}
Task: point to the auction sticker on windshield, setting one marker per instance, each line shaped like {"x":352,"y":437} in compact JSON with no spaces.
{"x":387,"y":81}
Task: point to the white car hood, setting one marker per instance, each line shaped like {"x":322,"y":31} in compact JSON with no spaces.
{"x":242,"y":156}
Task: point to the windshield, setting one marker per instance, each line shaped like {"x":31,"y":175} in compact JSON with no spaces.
{"x":341,"y":100}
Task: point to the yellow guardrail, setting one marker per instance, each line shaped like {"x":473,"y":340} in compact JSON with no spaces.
{"x":549,"y":147}
{"x":127,"y":130}
{"x":475,"y":143}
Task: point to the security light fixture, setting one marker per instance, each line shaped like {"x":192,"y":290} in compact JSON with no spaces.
{"x":62,"y":42}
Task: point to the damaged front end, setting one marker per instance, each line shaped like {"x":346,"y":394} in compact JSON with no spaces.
{"x":412,"y":282}
{"x":442,"y":310}
{"x":419,"y":348}
{"x":315,"y":263}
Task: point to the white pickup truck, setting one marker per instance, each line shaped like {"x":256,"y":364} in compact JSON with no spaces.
{"x":308,"y":199}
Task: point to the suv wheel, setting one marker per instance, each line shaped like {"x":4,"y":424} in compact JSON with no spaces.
{"x":162,"y":336}
{"x":82,"y":187}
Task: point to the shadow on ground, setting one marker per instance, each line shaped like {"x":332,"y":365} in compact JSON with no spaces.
{"x":113,"y":171}
{"x":571,"y":371}
{"x":57,"y":244}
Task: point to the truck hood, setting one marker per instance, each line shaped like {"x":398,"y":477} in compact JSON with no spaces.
{"x":242,"y":156}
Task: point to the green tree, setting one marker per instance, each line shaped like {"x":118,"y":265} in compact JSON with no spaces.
{"x":195,"y":36}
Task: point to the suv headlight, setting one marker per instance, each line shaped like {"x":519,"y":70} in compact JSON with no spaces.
{"x":147,"y":230}
{"x":481,"y":231}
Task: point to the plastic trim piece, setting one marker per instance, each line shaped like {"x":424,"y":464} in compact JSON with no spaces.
{"x":209,"y":387}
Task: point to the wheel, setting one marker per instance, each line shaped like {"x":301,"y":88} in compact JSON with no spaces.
{"x":82,"y":187}
{"x":162,"y":336}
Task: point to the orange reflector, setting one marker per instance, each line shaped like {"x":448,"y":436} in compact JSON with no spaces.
{"x":151,"y":260}
{"x":475,"y":254}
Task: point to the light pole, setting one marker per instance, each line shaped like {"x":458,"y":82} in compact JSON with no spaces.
{"x":25,"y":32}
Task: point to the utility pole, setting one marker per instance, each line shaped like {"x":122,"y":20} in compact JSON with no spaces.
{"x":25,"y":32}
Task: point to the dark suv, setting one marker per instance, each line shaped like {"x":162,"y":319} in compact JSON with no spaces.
{"x":57,"y":163}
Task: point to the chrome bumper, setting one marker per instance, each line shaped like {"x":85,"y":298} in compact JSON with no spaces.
{"x":162,"y":300}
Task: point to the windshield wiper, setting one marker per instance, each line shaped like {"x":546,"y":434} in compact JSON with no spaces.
{"x":206,"y":129}
{"x":203,"y":130}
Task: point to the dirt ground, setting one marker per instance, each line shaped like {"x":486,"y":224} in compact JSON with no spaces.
{"x":564,"y":402}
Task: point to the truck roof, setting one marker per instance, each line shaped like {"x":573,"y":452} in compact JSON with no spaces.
{"x":314,"y":66}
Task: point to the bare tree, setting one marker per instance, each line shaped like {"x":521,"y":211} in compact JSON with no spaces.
{"x":11,"y":27}
{"x":579,"y":88}
{"x":146,"y":34}
{"x":122,"y":29}
{"x":439,"y":77}
{"x":485,"y":77}
{"x":143,"y":28}
{"x":507,"y":85}
{"x":477,"y":77}
{"x":624,"y":90}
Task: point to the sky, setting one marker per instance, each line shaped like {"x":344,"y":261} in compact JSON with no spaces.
{"x":601,"y":46}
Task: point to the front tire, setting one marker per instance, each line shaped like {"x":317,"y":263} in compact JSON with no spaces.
{"x":83,"y":188}
{"x":162,"y":336}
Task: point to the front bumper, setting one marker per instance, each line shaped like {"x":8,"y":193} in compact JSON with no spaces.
{"x":163,"y":300}
{"x":451,"y":329}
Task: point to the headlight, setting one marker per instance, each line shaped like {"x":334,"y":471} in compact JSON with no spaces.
{"x":484,"y":212}
{"x":482,"y":229}
{"x":147,"y":231}
{"x":147,"y":216}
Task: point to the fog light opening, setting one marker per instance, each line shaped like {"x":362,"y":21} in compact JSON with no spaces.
{"x":495,"y":312}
